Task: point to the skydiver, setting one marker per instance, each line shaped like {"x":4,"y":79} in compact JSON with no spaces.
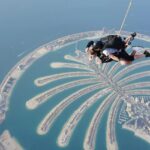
{"x":112,"y":48}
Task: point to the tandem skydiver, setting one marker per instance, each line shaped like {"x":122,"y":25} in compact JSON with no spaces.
{"x":112,"y":48}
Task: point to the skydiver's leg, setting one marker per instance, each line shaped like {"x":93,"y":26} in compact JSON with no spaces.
{"x":125,"y":58}
{"x":140,"y":55}
{"x":129,"y":39}
{"x":147,"y":53}
{"x":125,"y":62}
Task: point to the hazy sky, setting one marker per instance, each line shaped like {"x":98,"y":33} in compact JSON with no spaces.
{"x":27,"y":24}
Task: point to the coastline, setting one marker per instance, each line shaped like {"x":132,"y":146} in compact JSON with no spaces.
{"x":138,"y":133}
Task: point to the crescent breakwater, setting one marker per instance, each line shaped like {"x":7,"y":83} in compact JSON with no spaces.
{"x":15,"y":73}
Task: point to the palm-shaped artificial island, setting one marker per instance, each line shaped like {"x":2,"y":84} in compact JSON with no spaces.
{"x":113,"y":87}
{"x":121,"y":91}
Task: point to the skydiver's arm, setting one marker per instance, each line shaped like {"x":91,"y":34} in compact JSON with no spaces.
{"x":98,"y":60}
{"x":91,"y":57}
{"x":114,"y":57}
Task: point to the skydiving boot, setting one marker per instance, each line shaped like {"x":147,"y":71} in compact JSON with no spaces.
{"x":146,"y":53}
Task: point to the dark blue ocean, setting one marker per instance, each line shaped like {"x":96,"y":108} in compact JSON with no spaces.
{"x":26,"y":25}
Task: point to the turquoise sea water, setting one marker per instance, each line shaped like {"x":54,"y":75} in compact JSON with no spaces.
{"x":25,"y":25}
{"x":22,"y":123}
